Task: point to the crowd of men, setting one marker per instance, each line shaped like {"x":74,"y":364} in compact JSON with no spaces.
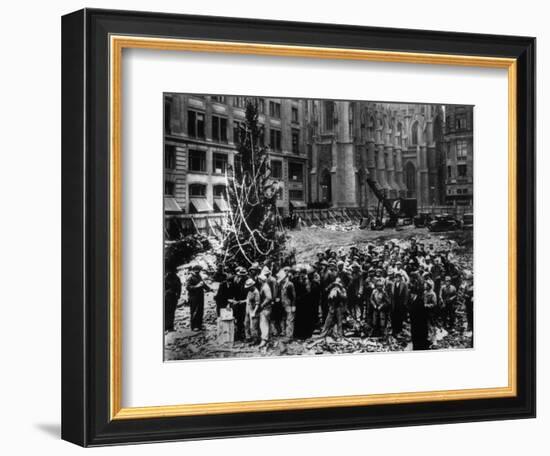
{"x":374,"y":290}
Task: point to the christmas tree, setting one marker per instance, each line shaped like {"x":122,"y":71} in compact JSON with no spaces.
{"x":255,"y":231}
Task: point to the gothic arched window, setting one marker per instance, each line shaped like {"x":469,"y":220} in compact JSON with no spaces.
{"x":414,"y":134}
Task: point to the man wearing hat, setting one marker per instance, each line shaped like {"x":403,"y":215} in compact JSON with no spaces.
{"x":238,"y":303}
{"x":356,"y":292}
{"x":253,"y":272}
{"x":399,"y":270}
{"x":447,"y":297}
{"x":288,"y":299}
{"x":336,"y":299}
{"x":172,"y":292}
{"x":400,"y":300}
{"x":380,"y":304}
{"x":266,"y":302}
{"x":225,"y":291}
{"x":330,"y":275}
{"x":195,"y":291}
{"x":251,"y":322}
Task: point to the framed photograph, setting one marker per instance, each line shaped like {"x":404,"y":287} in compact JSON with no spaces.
{"x":279,"y":227}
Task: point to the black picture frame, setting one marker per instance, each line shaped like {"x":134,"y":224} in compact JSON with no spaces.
{"x":85,"y":227}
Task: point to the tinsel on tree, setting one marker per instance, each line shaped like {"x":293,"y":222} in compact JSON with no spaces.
{"x":255,"y":232}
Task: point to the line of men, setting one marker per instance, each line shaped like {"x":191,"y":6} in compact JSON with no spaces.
{"x":376,"y":289}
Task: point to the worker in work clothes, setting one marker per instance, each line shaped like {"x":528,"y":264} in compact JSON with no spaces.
{"x":195,"y":290}
{"x":251,"y":322}
{"x":448,"y":302}
{"x":172,"y":292}
{"x":288,"y":299}
{"x":266,"y":301}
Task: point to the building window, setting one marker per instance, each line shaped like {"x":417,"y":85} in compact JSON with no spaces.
{"x":197,"y":190}
{"x":239,"y":102}
{"x":449,"y":172}
{"x":169,"y":157}
{"x":414,"y":134}
{"x":197,"y":161}
{"x":261,"y":134}
{"x":295,"y":172}
{"x":276,"y":169}
{"x":219,"y":128}
{"x":169,"y":188}
{"x":296,"y":195}
{"x":275,"y":139}
{"x":461,"y":122}
{"x":275,"y":109}
{"x":219,"y":191}
{"x":219,"y":163}
{"x":167,"y":115}
{"x":295,"y":141}
{"x":218,"y":98}
{"x":261,"y":105}
{"x":329,"y":115}
{"x":462,"y":169}
{"x":461,"y":150}
{"x":410,"y":179}
{"x":237,"y":128}
{"x":294,"y":113}
{"x":195,"y":124}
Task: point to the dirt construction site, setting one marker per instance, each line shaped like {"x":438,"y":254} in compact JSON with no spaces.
{"x":184,"y":344}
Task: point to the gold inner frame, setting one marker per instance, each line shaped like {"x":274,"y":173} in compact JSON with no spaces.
{"x":117,"y":44}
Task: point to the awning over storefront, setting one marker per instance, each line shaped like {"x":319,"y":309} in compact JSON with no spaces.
{"x":221,"y":204}
{"x":201,"y":204}
{"x":171,"y":205}
{"x":298,"y":204}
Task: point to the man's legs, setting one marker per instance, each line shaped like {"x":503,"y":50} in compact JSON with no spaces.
{"x":329,"y":322}
{"x":290,"y":314}
{"x":265,"y":324}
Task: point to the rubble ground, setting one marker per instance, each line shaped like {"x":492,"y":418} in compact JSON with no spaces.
{"x":184,"y":344}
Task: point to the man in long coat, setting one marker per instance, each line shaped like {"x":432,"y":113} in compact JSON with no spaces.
{"x":195,"y":290}
{"x":400,"y":298}
{"x":172,"y":292}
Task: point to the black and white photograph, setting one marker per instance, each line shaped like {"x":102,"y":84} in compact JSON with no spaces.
{"x":310,"y":227}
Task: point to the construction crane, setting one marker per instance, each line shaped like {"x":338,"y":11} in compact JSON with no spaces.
{"x":383,"y":203}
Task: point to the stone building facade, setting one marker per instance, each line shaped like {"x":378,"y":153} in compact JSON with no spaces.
{"x":322,"y":151}
{"x":401,"y":146}
{"x":459,"y":146}
{"x":200,"y":143}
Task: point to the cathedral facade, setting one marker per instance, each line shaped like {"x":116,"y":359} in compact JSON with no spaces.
{"x":400,"y":146}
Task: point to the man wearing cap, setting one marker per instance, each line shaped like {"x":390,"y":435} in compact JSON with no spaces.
{"x":251,"y":323}
{"x":447,"y":297}
{"x":195,"y":291}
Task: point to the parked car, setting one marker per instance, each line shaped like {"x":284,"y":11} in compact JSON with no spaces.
{"x":422,"y":219}
{"x":467,"y":222}
{"x":443,"y":222}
